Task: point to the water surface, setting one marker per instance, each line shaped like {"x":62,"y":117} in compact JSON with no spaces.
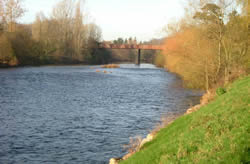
{"x":73,"y":114}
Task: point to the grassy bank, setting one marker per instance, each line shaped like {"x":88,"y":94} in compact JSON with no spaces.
{"x":218,"y":133}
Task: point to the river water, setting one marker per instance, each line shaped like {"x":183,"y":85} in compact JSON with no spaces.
{"x":73,"y":114}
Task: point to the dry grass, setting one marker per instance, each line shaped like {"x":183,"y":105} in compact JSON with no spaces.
{"x":110,"y":66}
{"x":134,"y":144}
{"x":207,"y":97}
{"x":165,"y":121}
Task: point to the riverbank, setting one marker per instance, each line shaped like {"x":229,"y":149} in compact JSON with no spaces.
{"x":217,"y":133}
{"x":115,"y":65}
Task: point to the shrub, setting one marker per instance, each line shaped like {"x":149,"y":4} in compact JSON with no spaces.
{"x":220,"y":91}
{"x":159,"y":60}
{"x":7,"y":57}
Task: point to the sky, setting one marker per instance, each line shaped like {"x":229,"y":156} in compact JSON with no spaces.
{"x":143,"y":19}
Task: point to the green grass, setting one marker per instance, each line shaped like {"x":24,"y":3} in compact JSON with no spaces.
{"x":218,"y":133}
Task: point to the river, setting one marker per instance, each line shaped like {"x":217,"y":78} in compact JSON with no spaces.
{"x":73,"y":114}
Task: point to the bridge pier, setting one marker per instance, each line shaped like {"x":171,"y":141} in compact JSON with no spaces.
{"x":139,"y":57}
{"x":139,"y":47}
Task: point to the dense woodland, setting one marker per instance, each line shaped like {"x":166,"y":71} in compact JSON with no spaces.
{"x":64,"y":37}
{"x":210,"y":45}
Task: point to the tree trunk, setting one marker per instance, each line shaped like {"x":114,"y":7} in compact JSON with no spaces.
{"x":227,"y":64}
{"x":219,"y":54}
{"x":206,"y":75}
{"x":226,"y":74}
{"x":248,"y":24}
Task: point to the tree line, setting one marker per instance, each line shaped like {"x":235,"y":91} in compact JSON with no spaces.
{"x":210,"y":45}
{"x":133,"y":40}
{"x":64,"y":37}
{"x":129,"y":40}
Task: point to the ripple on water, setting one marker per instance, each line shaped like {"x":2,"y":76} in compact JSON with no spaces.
{"x":72,"y":114}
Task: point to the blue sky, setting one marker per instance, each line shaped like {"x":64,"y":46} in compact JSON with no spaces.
{"x":143,"y":19}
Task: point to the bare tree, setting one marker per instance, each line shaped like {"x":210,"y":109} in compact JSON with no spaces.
{"x":37,"y":27}
{"x":79,"y":32}
{"x":63,"y":13}
{"x":65,"y":36}
{"x":12,"y":11}
{"x":1,"y":15}
{"x":1,"y":10}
